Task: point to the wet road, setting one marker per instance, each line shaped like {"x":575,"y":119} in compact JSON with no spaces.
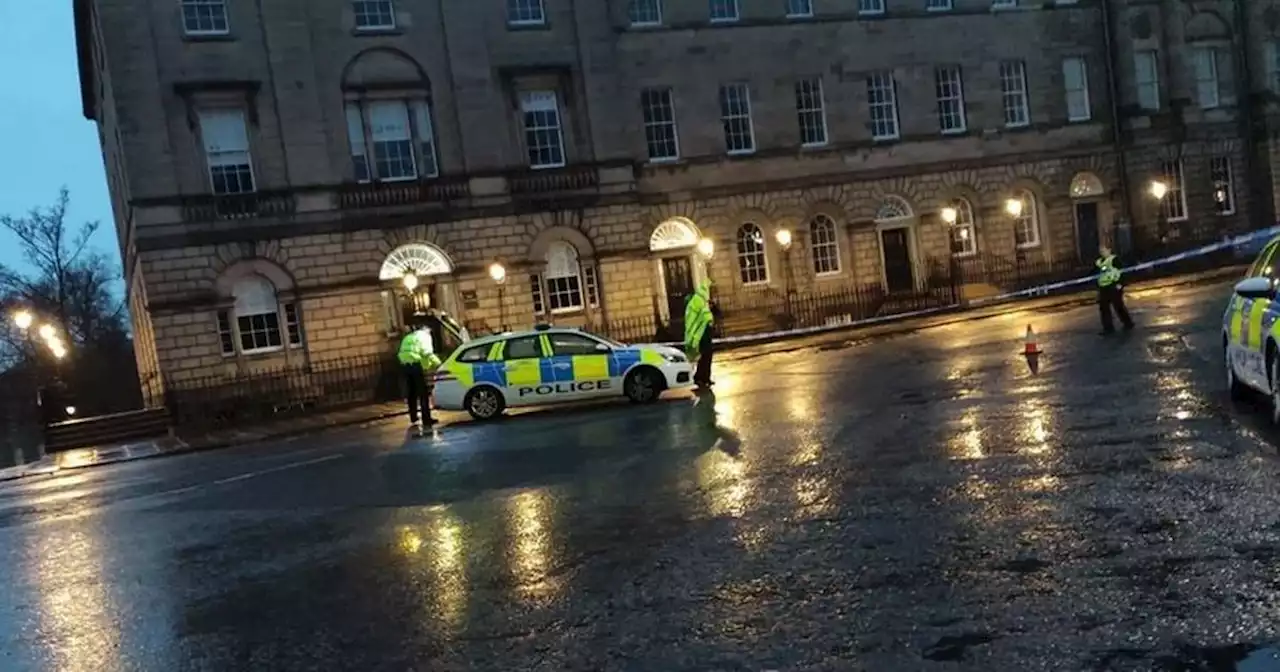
{"x":914,"y":503}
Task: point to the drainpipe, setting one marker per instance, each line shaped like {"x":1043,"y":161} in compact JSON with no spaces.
{"x":1121,"y":228}
{"x":1257,"y":174}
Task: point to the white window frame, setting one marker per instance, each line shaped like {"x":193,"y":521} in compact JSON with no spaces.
{"x":752,"y":252}
{"x":361,"y":135}
{"x":1174,"y":203}
{"x":224,"y":133}
{"x":965,"y":223}
{"x":1222,"y":178}
{"x":938,"y":5}
{"x":1028,"y":221}
{"x":564,"y":262}
{"x":367,"y":8}
{"x":658,"y":111}
{"x":1146,"y":78}
{"x":1004,"y":4}
{"x":1014,"y":97}
{"x":740,"y":93}
{"x":723,"y":11}
{"x":882,"y":106}
{"x":871,"y":7}
{"x":257,"y":297}
{"x":799,"y":9}
{"x":948,"y":87}
{"x":217,"y":9}
{"x":644,"y":13}
{"x":824,"y":235}
{"x":1079,"y":105}
{"x":811,"y":112}
{"x":526,"y":13}
{"x":542,"y":102}
{"x":1204,"y":69}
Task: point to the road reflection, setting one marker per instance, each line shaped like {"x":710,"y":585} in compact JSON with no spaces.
{"x":76,"y":619}
{"x":530,"y":519}
{"x":441,"y":546}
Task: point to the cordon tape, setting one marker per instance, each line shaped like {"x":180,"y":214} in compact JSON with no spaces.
{"x":1237,"y":241}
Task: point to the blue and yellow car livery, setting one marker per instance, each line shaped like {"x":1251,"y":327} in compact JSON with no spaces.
{"x":1251,"y":330}
{"x":553,"y":365}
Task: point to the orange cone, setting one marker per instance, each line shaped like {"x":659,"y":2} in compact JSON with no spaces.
{"x":1030,"y":347}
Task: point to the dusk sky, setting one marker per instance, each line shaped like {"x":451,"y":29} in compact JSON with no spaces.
{"x":48,"y":142}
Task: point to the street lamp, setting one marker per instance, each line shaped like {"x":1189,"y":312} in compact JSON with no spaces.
{"x":950,"y":215}
{"x":1158,"y":189}
{"x":784,"y":241}
{"x":1013,"y":206}
{"x":707,"y":248}
{"x":23,"y":319}
{"x":46,"y":332}
{"x":784,"y":238}
{"x":498,"y":273}
{"x":410,"y":281}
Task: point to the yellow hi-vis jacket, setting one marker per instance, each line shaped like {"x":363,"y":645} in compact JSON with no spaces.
{"x":697,"y":317}
{"x":1108,"y":274}
{"x":416,"y":348}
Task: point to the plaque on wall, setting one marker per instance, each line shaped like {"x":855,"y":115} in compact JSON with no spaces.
{"x":469,"y":299}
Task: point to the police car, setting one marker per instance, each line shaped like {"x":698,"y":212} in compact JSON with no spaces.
{"x":487,"y":375}
{"x":1251,"y":331}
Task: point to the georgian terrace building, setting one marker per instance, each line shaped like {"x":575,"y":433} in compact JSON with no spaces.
{"x":278,"y":168}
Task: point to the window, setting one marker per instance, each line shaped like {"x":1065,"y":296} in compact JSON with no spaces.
{"x":824,"y":246}
{"x":724,"y":10}
{"x":1003,"y":4}
{"x":645,"y":12}
{"x":392,"y":126}
{"x":374,"y":14}
{"x":950,"y":91}
{"x":525,"y":347}
{"x":799,"y":9}
{"x":252,"y":325}
{"x":1174,"y":206}
{"x":1224,"y":190}
{"x":1075,"y":80}
{"x":565,"y":283}
{"x":753,"y":269}
{"x":226,"y":150}
{"x":809,"y":109}
{"x":525,"y":13}
{"x":1146,"y":77}
{"x":660,"y":124}
{"x":1273,"y":65}
{"x":1026,"y":226}
{"x":573,"y":344}
{"x":476,"y":353}
{"x":870,"y":7}
{"x":882,"y":99}
{"x":205,"y":17}
{"x":542,"y":136}
{"x":937,"y":5}
{"x":735,"y":115}
{"x":964,"y":232}
{"x":1205,"y":66}
{"x":1013,"y":90}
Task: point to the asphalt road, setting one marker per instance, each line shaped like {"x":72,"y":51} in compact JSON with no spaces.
{"x":913,"y":503}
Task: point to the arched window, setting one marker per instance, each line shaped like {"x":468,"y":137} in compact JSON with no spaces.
{"x":824,"y":245}
{"x":566,"y":285}
{"x":752,"y":267}
{"x":1026,"y":226}
{"x":964,"y":232}
{"x":893,"y":207}
{"x":252,"y":324}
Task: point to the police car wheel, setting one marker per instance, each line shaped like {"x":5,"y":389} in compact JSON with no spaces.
{"x":643,"y":386}
{"x":484,"y":403}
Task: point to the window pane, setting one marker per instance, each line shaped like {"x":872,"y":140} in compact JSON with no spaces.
{"x":659,"y":124}
{"x":526,"y":347}
{"x":1013,"y":89}
{"x":735,"y":117}
{"x":950,"y":95}
{"x":752,"y":265}
{"x":883,"y":104}
{"x":374,"y":14}
{"x":572,"y":344}
{"x":525,"y":11}
{"x":812,"y":115}
{"x":542,"y":134}
{"x":204,"y":16}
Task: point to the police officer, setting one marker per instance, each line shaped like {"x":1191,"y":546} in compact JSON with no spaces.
{"x":1110,"y":292}
{"x":417,"y":358}
{"x":699,"y":318}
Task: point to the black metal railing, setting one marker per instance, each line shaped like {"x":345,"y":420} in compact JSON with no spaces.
{"x":357,"y":195}
{"x":219,"y":402}
{"x":571,"y":178}
{"x":213,"y":207}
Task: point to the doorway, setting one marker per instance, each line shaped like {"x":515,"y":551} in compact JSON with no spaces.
{"x":677,"y":277}
{"x":1087,"y":231}
{"x":899,"y":276}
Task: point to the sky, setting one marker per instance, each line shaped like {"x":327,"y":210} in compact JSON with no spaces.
{"x":48,"y":142}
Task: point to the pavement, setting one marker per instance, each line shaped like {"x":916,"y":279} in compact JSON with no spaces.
{"x":920,"y":502}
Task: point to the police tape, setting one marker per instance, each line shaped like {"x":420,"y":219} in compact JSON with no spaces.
{"x":1225,"y":243}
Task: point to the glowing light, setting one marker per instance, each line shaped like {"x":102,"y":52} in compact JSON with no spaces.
{"x":47,"y":332}
{"x":706,"y":247}
{"x":71,"y":410}
{"x":1013,"y":206}
{"x":410,"y":281}
{"x":23,"y":319}
{"x":784,"y":238}
{"x":498,"y":273}
{"x":949,"y":215}
{"x":1158,"y":189}
{"x":531,"y":555}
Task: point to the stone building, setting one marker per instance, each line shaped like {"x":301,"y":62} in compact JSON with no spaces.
{"x":278,"y":168}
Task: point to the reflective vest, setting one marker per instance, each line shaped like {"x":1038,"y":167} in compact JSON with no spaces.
{"x":1108,"y":274}
{"x":416,"y":348}
{"x":697,"y":316}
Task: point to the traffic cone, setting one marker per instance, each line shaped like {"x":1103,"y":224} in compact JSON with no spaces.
{"x":1031,"y":350}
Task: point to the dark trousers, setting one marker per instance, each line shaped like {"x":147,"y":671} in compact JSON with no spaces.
{"x":702,"y":374}
{"x":1111,"y":298}
{"x":417,"y":392}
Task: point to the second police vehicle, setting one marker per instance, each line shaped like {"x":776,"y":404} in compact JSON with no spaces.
{"x":550,"y":365}
{"x":1251,"y":331}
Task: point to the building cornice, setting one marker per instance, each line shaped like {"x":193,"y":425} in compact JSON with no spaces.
{"x":83,"y":13}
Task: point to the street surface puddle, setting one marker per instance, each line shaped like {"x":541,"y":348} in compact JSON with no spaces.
{"x":953,"y":647}
{"x":1230,"y":658}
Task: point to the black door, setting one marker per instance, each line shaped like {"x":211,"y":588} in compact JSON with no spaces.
{"x":677,"y":274}
{"x":898,"y":275}
{"x":1087,"y":231}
